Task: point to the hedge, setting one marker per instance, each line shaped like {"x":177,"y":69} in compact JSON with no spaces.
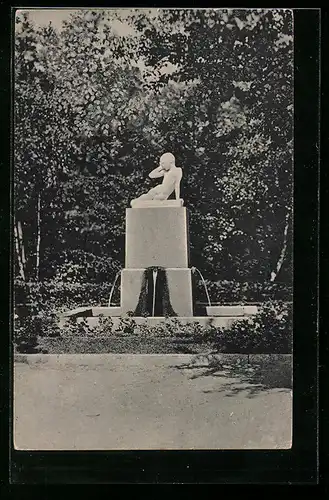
{"x":53,"y":295}
{"x":58,"y":296}
{"x":242,"y":292}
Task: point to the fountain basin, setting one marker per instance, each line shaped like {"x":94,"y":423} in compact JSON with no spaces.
{"x":231,"y":310}
{"x":89,"y":311}
{"x":106,"y":311}
{"x":217,"y":321}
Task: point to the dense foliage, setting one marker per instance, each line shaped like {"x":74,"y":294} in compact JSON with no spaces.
{"x":50,"y":296}
{"x":96,"y":106}
{"x":268,"y":332}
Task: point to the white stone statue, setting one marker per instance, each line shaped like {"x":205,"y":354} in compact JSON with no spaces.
{"x":172,"y":176}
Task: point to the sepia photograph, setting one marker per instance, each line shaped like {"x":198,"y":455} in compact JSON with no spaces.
{"x":153,"y":229}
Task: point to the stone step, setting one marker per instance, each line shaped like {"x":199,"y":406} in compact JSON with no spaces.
{"x":158,"y":203}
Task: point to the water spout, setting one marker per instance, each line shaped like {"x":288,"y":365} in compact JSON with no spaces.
{"x":194,"y":269}
{"x":112,"y":289}
{"x":155,"y":275}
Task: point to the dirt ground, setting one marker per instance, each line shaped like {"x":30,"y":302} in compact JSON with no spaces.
{"x":108,"y":402}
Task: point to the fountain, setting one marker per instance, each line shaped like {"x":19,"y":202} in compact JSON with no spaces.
{"x":113,"y":286}
{"x":155,"y":275}
{"x":156,"y":281}
{"x":194,"y":270}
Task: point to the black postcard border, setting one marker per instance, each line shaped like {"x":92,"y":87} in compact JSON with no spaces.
{"x":296,"y":466}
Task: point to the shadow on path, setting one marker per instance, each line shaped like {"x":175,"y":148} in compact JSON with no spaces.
{"x":254,"y":376}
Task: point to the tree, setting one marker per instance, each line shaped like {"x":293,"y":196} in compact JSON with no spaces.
{"x":240,"y":118}
{"x":95,"y":108}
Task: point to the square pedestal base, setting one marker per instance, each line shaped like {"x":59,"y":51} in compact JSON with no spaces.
{"x":157,"y":236}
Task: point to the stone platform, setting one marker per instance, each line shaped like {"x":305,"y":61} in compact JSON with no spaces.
{"x":231,"y":310}
{"x":93,"y":314}
{"x":226,"y":315}
{"x":212,"y":312}
{"x":158,"y":203}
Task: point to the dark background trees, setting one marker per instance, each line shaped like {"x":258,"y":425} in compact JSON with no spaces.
{"x":95,"y":107}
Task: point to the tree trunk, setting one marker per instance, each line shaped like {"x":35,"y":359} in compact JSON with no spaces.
{"x":18,"y":251}
{"x":280,"y":261}
{"x":193,"y":129}
{"x":21,"y":243}
{"x":37,"y":271}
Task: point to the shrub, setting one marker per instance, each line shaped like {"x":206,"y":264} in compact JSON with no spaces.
{"x":104,"y":326}
{"x":25,"y":335}
{"x":127,"y":326}
{"x":52,"y":295}
{"x":268,"y":332}
{"x":81,"y":266}
{"x":28,"y":328}
{"x":242,"y":292}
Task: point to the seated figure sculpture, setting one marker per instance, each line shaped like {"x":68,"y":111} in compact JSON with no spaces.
{"x":172,"y":176}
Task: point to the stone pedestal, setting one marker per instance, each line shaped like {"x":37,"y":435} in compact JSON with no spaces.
{"x":157,"y":236}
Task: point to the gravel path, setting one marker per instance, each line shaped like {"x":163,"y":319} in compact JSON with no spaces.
{"x":149,"y":402}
